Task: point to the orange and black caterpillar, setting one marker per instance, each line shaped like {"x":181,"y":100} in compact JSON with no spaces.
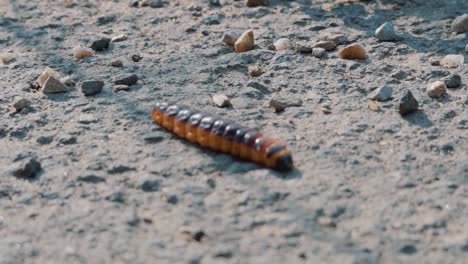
{"x":222,"y":135}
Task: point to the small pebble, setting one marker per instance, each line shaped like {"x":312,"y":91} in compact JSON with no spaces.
{"x":133,"y":3}
{"x":437,"y":89}
{"x":91,"y":87}
{"x":152,"y":138}
{"x":371,"y":105}
{"x":304,"y":49}
{"x":45,"y":75}
{"x":68,"y":81}
{"x":255,"y":71}
{"x":353,"y":52}
{"x":279,"y":103}
{"x":386,"y":32}
{"x":338,"y":39}
{"x":281,"y":44}
{"x":119,"y":38}
{"x":460,"y":24}
{"x":126,"y":79}
{"x":326,"y":45}
{"x":52,"y":85}
{"x":21,"y":104}
{"x":229,"y":38}
{"x":453,"y":81}
{"x":81,"y":53}
{"x":156,"y":3}
{"x":326,"y":108}
{"x":245,"y":42}
{"x":45,"y":140}
{"x":121,"y":87}
{"x":220,"y":100}
{"x":27,"y":168}
{"x":434,"y":62}
{"x":90,"y":179}
{"x":6,"y":58}
{"x":407,"y":103}
{"x":100,"y":44}
{"x":452,"y":61}
{"x":319,"y":53}
{"x":136,"y":58}
{"x":151,"y":185}
{"x":116,"y":63}
{"x":255,"y":3}
{"x":381,"y":94}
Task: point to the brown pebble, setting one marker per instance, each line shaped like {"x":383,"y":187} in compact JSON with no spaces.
{"x":45,"y":75}
{"x":255,"y":71}
{"x":353,"y":52}
{"x":255,"y":3}
{"x":245,"y":42}
{"x":371,"y":105}
{"x":81,"y":53}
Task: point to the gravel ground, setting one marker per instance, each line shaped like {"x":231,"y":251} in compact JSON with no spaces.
{"x":91,"y":179}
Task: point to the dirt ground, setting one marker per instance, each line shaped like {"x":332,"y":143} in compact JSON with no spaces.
{"x":113,"y":187}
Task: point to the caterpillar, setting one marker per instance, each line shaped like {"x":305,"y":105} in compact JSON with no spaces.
{"x":222,"y":135}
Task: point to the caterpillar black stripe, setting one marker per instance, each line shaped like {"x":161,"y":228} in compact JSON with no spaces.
{"x":222,"y":135}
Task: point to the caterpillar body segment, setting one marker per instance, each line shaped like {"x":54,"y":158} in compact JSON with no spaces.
{"x":222,"y":135}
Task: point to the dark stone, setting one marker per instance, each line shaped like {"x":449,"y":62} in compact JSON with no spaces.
{"x":27,"y":168}
{"x":136,"y":58}
{"x":151,"y":185}
{"x":117,"y":197}
{"x":199,"y":235}
{"x":133,"y":3}
{"x":68,"y":140}
{"x":407,"y":103}
{"x":90,"y":87}
{"x":106,"y":19}
{"x":126,"y":79}
{"x":44,"y":140}
{"x":153,"y":138}
{"x":172,"y":199}
{"x":452,"y":81}
{"x":408,"y":249}
{"x":91,"y":179}
{"x":100,"y":44}
{"x":119,"y":169}
{"x":156,"y":4}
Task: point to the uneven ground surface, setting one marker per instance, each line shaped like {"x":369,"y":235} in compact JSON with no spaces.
{"x":370,"y":186}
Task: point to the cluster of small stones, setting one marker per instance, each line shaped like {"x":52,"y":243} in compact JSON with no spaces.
{"x":51,"y":81}
{"x":355,"y":51}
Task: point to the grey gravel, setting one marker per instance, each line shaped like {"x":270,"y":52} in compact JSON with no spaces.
{"x":369,"y":186}
{"x":381,"y":94}
{"x":319,"y":53}
{"x":386,"y":32}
